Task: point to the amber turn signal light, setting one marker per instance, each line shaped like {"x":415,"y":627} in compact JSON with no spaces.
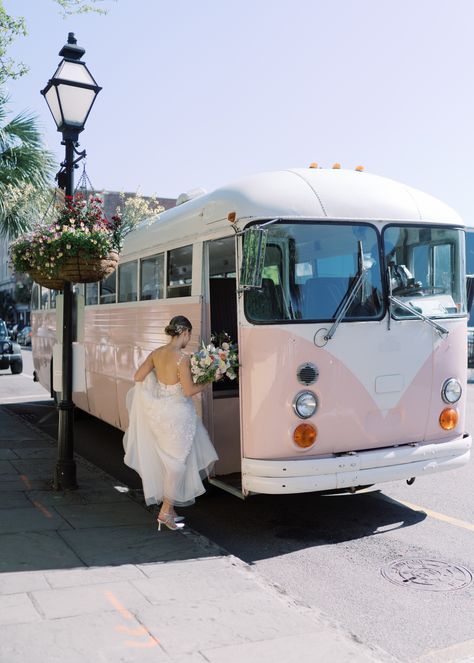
{"x":305,"y":435}
{"x":448,"y":419}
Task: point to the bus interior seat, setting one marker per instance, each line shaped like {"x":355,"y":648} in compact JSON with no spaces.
{"x":322,"y":296}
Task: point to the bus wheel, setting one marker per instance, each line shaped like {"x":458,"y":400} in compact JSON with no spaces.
{"x":16,"y":367}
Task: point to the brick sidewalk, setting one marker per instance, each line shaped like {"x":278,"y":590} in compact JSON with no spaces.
{"x":85,"y":576}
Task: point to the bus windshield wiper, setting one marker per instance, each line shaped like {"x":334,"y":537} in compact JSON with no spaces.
{"x":350,"y":294}
{"x":442,"y":331}
{"x":409,"y":307}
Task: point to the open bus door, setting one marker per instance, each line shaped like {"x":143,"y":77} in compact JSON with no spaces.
{"x":222,"y":404}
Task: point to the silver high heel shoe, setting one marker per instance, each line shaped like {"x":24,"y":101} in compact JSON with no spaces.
{"x":168,"y":520}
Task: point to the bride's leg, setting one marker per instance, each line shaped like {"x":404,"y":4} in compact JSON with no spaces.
{"x":167,"y":516}
{"x":167,"y":508}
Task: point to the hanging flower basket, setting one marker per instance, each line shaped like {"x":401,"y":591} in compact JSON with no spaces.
{"x":78,"y":269}
{"x":81,"y":246}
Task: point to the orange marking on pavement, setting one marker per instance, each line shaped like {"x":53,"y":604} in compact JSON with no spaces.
{"x":143,"y":645}
{"x":139,"y":631}
{"x":118,"y":606}
{"x":43,"y":509}
{"x":26,"y":481}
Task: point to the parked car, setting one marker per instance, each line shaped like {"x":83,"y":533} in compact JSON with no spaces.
{"x":10,"y":352}
{"x":24,"y":336}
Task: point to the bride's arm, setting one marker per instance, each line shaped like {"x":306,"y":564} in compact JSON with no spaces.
{"x":144,"y":369}
{"x":186,"y":379}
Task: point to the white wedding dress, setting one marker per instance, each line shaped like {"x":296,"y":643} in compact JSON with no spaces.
{"x":166,"y":442}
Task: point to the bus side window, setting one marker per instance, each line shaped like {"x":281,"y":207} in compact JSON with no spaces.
{"x":127,"y":277}
{"x":152,"y":271}
{"x":180,"y":265}
{"x":108,"y":289}
{"x":53,"y":295}
{"x":92,"y":293}
{"x":44,"y":298}
{"x":35,"y":297}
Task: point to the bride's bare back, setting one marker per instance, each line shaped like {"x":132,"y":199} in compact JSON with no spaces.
{"x":165,"y":363}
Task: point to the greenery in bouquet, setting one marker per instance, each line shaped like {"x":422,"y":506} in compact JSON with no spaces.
{"x":217,"y":360}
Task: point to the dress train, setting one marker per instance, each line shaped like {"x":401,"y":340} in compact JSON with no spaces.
{"x":166,"y":443}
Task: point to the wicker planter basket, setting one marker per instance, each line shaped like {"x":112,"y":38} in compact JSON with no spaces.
{"x":78,"y":269}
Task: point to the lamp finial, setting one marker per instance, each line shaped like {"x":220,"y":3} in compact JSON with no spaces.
{"x":71,"y":51}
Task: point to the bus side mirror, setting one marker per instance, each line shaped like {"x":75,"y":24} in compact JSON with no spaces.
{"x":253,"y":257}
{"x":470,"y":291}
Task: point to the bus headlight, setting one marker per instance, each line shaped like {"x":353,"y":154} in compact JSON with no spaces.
{"x":305,"y":404}
{"x":451,"y":391}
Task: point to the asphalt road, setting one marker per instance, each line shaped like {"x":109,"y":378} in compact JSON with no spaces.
{"x":333,"y":552}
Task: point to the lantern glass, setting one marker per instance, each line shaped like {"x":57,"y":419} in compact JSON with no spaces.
{"x":76,"y":103}
{"x":75,"y":72}
{"x":53,"y":103}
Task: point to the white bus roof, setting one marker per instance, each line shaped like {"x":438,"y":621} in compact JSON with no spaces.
{"x":309,"y":193}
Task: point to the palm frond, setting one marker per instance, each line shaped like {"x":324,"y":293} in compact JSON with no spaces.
{"x":25,"y":167}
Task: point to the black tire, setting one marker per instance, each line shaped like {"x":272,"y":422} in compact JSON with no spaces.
{"x":16,"y":367}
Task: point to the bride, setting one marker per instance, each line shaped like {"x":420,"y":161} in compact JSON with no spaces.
{"x":166,"y":443}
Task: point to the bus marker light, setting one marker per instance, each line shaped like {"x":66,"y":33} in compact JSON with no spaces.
{"x":231,"y":217}
{"x":313,"y":165}
{"x":359,"y":169}
{"x":336,"y":165}
{"x":304,"y":435}
{"x":448,"y":419}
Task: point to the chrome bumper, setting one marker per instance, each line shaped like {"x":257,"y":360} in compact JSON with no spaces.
{"x":356,"y":468}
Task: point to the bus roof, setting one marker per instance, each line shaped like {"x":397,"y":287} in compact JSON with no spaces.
{"x":309,"y":193}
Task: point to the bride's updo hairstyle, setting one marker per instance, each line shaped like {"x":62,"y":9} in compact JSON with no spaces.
{"x":178,"y":325}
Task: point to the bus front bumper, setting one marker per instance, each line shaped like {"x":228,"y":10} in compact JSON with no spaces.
{"x":352,"y":469}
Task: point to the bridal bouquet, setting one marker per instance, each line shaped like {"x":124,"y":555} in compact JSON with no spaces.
{"x":214,"y":361}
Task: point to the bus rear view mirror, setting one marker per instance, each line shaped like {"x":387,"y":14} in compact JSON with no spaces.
{"x":253,"y":257}
{"x":469,"y":290}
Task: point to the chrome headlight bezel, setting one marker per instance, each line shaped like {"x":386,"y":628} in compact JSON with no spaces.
{"x":305,"y":399}
{"x":451,"y":386}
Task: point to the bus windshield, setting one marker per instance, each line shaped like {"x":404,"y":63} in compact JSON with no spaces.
{"x":426,"y":270}
{"x":310,"y":269}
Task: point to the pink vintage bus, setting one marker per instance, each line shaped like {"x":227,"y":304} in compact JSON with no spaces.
{"x":346,"y":293}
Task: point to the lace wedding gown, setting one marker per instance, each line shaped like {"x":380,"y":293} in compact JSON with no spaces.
{"x":166,"y":443}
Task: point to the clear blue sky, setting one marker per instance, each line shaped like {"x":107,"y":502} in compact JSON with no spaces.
{"x":205,"y":92}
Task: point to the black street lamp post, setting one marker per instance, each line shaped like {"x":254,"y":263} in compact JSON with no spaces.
{"x":70,"y":94}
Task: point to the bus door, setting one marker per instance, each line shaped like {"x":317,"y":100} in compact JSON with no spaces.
{"x":221,"y":314}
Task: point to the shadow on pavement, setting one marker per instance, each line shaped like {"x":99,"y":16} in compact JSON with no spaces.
{"x":103,"y":523}
{"x":260,"y":527}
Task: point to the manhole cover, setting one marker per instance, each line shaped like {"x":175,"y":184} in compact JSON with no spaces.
{"x":429,"y":574}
